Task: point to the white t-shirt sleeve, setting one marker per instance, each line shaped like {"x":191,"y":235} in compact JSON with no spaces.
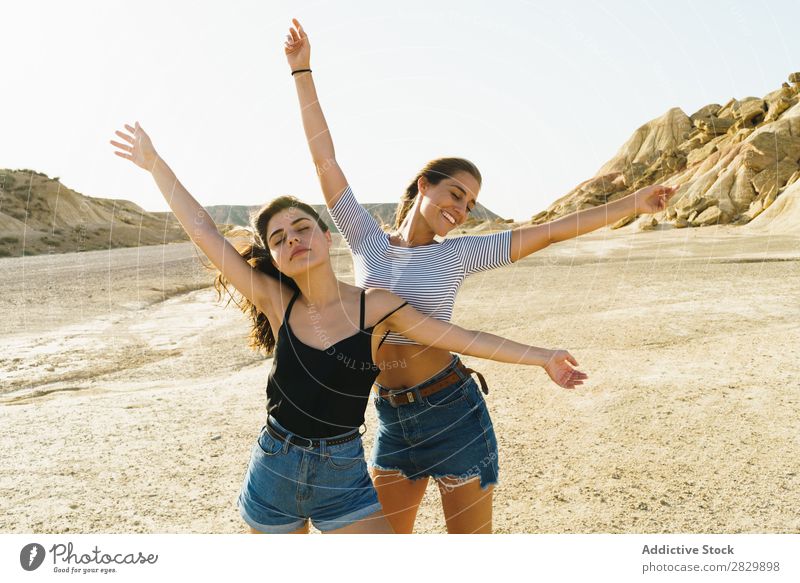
{"x":353,"y":220}
{"x":483,"y":252}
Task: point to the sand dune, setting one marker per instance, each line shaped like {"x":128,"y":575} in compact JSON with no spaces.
{"x":129,"y":400}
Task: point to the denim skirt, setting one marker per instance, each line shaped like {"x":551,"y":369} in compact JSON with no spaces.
{"x":445,"y":435}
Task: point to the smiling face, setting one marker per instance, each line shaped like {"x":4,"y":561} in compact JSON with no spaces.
{"x":446,"y":205}
{"x":296,"y":242}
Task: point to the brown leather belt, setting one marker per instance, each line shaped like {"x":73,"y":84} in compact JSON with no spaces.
{"x":406,"y":397}
{"x":310,"y":443}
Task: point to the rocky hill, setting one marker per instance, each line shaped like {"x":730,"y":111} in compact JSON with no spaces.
{"x":737,"y":163}
{"x":730,"y":163}
{"x":383,"y":213}
{"x":38,"y":214}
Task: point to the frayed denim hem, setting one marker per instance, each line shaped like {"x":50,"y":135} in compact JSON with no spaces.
{"x":448,"y":482}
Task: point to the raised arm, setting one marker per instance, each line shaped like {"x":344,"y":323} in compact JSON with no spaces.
{"x":198,"y":224}
{"x":432,"y":332}
{"x":527,"y":240}
{"x":298,"y":54}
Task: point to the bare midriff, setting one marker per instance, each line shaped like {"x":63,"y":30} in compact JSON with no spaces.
{"x":403,"y":366}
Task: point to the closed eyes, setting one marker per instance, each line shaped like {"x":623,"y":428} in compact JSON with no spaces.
{"x":276,"y":242}
{"x":459,"y":196}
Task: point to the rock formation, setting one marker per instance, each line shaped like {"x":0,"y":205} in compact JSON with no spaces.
{"x":729,"y":163}
{"x":383,"y":212}
{"x":38,"y":214}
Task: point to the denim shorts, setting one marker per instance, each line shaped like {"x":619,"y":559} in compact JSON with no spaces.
{"x":445,"y":435}
{"x":286,"y":485}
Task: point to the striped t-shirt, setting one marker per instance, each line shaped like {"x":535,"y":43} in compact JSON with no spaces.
{"x":427,"y":276}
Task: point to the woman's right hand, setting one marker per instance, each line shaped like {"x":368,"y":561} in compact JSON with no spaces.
{"x":139,"y":149}
{"x":298,"y":48}
{"x":559,"y":369}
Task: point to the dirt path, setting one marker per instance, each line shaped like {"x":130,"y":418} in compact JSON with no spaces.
{"x":133,"y":408}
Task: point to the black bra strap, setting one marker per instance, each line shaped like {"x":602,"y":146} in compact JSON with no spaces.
{"x":382,"y":340}
{"x":289,"y":307}
{"x":382,"y":319}
{"x":392,"y":312}
{"x":362,"y":309}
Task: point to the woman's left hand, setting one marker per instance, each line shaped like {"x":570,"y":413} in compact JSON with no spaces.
{"x":138,"y":149}
{"x":652,"y":199}
{"x":559,"y":368}
{"x":297,"y":47}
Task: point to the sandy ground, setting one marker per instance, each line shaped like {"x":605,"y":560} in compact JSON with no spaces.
{"x":129,"y":400}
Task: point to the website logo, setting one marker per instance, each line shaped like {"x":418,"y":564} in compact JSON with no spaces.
{"x":31,"y":556}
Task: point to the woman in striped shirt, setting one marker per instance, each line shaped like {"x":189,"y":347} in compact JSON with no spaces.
{"x":433,"y":419}
{"x":308,"y":463}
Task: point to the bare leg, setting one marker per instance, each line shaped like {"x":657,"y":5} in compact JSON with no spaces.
{"x":302,"y":530}
{"x":467,"y":508}
{"x":400,"y":498}
{"x":373,"y":524}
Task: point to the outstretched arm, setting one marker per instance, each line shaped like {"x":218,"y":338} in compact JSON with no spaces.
{"x":197,"y":223}
{"x":527,"y":240}
{"x":331,"y":177}
{"x":432,"y":332}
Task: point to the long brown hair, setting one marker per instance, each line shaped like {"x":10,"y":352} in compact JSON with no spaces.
{"x":262,"y":337}
{"x":434,"y":172}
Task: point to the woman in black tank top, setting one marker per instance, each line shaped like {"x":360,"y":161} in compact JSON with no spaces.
{"x":308,"y":462}
{"x":318,"y":392}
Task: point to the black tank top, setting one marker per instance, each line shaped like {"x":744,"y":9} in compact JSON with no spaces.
{"x":319,"y":393}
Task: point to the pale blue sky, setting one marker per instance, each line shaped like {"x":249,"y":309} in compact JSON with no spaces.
{"x":538,"y":94}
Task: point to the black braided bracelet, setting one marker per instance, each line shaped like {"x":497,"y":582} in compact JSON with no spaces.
{"x":301,"y":71}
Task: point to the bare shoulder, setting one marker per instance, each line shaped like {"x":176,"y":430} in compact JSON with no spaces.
{"x":379,"y":303}
{"x":382,"y":298}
